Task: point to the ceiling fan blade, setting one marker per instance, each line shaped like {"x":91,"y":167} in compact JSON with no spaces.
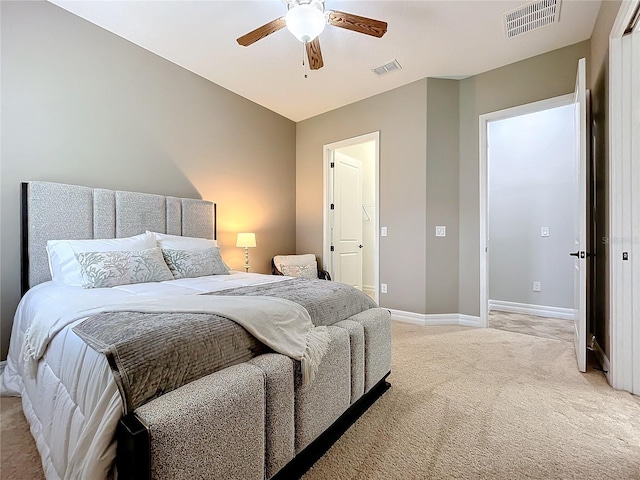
{"x":314,"y":54}
{"x":261,"y":32}
{"x":369,"y":26}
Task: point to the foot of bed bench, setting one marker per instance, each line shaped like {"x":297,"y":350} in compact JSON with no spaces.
{"x":304,"y":460}
{"x":133,"y":452}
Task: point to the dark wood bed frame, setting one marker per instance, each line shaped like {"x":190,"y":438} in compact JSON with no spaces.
{"x":133,"y":453}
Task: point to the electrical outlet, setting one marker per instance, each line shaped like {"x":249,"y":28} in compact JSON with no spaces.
{"x":383,"y":231}
{"x":536,"y":286}
{"x":441,"y":231}
{"x":544,"y":231}
{"x":383,"y":288}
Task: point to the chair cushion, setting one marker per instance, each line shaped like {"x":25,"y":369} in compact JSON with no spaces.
{"x":304,"y":266}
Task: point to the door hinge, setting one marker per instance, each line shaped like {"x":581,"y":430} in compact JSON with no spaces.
{"x":333,"y":248}
{"x":333,"y":164}
{"x":333,"y":206}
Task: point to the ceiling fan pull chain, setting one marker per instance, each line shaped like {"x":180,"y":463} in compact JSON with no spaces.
{"x":304,"y":63}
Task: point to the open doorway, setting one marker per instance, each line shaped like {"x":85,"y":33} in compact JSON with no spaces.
{"x":532,"y":198}
{"x":528,"y":218}
{"x":351,"y":209}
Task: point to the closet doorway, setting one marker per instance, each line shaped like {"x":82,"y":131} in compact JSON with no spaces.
{"x":351,"y":212}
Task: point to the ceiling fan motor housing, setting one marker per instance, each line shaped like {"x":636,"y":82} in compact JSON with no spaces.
{"x":306,"y":20}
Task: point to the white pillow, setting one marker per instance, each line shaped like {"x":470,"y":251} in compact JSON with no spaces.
{"x":64,"y":266}
{"x":178,"y":242}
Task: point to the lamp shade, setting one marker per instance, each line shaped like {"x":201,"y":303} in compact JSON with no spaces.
{"x":246,"y":240}
{"x":305,"y":22}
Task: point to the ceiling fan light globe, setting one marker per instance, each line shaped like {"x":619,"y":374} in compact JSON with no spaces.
{"x":305,"y":22}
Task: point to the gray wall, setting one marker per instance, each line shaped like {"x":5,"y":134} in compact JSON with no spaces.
{"x":532,"y":184}
{"x":83,"y":106}
{"x":443,"y":121}
{"x":400,"y":116}
{"x":544,"y":76}
{"x":599,"y":104}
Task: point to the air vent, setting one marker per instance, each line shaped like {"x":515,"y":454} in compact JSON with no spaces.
{"x":387,"y":68}
{"x":531,"y":16}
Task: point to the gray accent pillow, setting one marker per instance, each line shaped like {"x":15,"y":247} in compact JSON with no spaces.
{"x":109,"y":269}
{"x":195,"y":263}
{"x":309,"y":270}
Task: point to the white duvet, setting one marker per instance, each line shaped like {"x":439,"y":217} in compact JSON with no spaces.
{"x":71,"y":401}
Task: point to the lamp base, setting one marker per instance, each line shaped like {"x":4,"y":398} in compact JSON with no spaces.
{"x":246,"y":259}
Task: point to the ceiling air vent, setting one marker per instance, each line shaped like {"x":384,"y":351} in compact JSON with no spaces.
{"x":386,"y":68}
{"x":531,"y":16}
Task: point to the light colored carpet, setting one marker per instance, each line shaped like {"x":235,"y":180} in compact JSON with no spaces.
{"x":465,"y":403}
{"x":532,"y":325}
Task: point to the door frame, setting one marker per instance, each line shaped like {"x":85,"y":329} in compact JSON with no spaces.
{"x":624,"y":205}
{"x":327,"y":154}
{"x":484,"y":120}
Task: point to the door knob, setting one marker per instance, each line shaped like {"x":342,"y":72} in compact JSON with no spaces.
{"x":579,"y":254}
{"x":360,"y":246}
{"x":575,"y":254}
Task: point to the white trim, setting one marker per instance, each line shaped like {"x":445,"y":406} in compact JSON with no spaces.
{"x":622,"y":170}
{"x":327,"y":155}
{"x":603,"y":359}
{"x":469,"y":321}
{"x":435,"y":319}
{"x":408,"y":317}
{"x":484,"y":193}
{"x":530,"y":309}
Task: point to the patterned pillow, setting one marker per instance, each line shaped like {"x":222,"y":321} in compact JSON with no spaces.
{"x":310,"y":270}
{"x":195,"y":263}
{"x":108,"y":269}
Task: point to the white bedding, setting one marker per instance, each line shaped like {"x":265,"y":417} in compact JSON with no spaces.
{"x":73,"y":404}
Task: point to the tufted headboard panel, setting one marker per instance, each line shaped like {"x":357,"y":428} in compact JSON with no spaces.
{"x":55,"y":211}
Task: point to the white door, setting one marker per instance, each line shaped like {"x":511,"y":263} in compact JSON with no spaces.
{"x":580,"y":272}
{"x":347,"y":220}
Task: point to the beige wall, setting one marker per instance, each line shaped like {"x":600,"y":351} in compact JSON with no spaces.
{"x":544,"y":76}
{"x":442,"y":207}
{"x":83,"y":106}
{"x":400,"y":116}
{"x":599,"y":106}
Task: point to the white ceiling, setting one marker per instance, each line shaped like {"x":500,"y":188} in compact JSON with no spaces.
{"x":454,"y":38}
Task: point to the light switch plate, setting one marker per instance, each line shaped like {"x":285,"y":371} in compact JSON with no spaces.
{"x":441,"y":231}
{"x":544,"y":231}
{"x":383,"y":288}
{"x":536,"y":286}
{"x":383,"y":231}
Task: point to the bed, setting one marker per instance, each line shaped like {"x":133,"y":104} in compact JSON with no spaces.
{"x":257,"y":413}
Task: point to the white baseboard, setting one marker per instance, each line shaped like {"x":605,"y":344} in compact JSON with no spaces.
{"x":434,"y":319}
{"x":469,"y":321}
{"x":408,"y":317}
{"x":539,"y":310}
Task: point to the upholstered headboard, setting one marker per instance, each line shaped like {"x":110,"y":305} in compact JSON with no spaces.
{"x":54,"y":211}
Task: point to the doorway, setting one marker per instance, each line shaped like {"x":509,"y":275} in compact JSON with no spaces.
{"x":531,"y":216}
{"x":351,"y":212}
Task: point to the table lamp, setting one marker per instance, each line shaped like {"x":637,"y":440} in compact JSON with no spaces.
{"x":246,"y":240}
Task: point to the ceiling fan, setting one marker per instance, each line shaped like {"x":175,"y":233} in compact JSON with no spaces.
{"x":306,"y":19}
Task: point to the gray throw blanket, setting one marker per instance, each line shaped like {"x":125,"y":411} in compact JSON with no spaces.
{"x":327,"y":302}
{"x":151,"y":353}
